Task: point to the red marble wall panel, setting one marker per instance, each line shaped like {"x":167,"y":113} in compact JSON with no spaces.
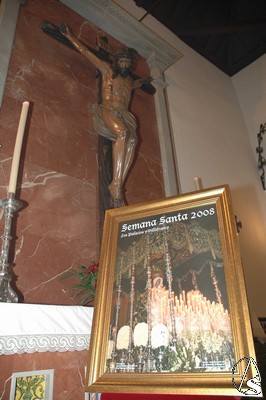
{"x":58,"y":228}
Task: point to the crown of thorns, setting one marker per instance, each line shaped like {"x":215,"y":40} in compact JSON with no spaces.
{"x":125,"y":52}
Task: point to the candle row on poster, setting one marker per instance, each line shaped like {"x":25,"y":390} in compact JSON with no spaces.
{"x":193,"y":313}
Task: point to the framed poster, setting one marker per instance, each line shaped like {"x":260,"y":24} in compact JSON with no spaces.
{"x":171,"y":313}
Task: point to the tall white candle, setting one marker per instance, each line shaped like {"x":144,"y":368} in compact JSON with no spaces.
{"x":198,"y":183}
{"x":17,"y":149}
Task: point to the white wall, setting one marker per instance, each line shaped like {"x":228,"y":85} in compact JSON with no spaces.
{"x":211,"y":139}
{"x":250,"y":86}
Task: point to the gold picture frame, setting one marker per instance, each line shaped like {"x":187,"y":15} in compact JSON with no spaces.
{"x":171,"y":313}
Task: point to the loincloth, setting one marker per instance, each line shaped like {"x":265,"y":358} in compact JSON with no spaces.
{"x":98,"y":121}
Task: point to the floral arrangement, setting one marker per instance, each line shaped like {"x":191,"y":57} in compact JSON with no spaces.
{"x":86,"y":282}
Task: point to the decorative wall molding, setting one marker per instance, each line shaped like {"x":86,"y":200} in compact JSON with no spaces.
{"x":113,"y":20}
{"x":8,"y":22}
{"x":159,"y":55}
{"x":261,"y":158}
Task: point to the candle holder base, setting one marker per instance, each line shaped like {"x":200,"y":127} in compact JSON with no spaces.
{"x":7,"y":294}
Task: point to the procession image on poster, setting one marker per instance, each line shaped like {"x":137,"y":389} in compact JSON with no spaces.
{"x":169,"y":306}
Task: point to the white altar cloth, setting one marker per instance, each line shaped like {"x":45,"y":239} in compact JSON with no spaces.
{"x":29,"y":328}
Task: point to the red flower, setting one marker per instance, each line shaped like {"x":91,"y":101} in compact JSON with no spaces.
{"x":92,"y":268}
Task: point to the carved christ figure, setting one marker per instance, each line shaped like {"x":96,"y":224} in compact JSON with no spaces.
{"x":111,"y":116}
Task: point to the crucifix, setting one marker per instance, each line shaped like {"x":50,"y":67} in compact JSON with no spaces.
{"x":112,"y":119}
